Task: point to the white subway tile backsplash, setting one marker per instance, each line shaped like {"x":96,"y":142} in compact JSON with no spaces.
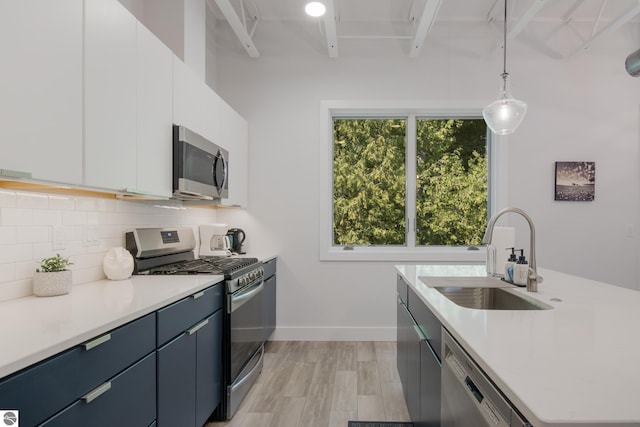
{"x":62,"y":202}
{"x":47,"y":217}
{"x":92,"y":218}
{"x":32,"y":200}
{"x":7,"y":272}
{"x":7,"y":199}
{"x":35,"y":234}
{"x":14,"y":253}
{"x":44,"y":250}
{"x":16,"y":216}
{"x":7,"y":235}
{"x":73,"y":218}
{"x":39,"y":225}
{"x":25,"y":270}
{"x":16,"y":289}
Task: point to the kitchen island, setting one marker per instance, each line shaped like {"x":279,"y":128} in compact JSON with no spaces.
{"x":574,"y":364}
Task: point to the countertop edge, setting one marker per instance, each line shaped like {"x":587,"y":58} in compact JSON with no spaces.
{"x":47,"y":351}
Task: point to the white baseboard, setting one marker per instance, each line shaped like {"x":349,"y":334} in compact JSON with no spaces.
{"x":320,"y":333}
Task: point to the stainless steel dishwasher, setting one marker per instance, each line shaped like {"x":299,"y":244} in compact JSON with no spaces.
{"x":469,"y":399}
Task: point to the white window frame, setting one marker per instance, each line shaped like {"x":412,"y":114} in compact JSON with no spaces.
{"x":498,"y":152}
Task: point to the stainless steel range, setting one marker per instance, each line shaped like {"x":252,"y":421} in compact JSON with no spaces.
{"x":164,"y":251}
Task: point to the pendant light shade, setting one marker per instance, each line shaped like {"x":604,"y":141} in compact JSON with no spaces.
{"x":504,"y":115}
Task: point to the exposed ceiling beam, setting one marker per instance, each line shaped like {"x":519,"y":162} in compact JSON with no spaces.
{"x":599,"y":17}
{"x":527,"y":16}
{"x":427,"y":19}
{"x":522,"y":22}
{"x":330,"y":29}
{"x":236,"y":25}
{"x":613,"y":25}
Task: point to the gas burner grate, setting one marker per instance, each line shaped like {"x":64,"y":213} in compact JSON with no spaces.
{"x":217,"y":265}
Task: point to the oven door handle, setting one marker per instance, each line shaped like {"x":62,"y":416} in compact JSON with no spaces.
{"x":236,"y":301}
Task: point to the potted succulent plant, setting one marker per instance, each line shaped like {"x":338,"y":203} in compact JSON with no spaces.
{"x":52,"y":277}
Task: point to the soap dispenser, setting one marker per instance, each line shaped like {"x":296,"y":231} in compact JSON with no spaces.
{"x":521,"y":270}
{"x":509,"y":266}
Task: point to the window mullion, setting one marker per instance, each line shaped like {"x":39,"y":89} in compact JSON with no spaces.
{"x":410,"y":198}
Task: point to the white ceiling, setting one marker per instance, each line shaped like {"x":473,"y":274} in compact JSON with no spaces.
{"x":559,"y":28}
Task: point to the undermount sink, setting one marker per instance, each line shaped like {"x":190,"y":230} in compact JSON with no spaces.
{"x":489,"y":298}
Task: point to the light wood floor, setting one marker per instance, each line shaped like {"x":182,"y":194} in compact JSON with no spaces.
{"x":323,"y":384}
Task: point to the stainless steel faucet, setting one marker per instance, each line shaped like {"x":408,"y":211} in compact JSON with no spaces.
{"x":532,"y":278}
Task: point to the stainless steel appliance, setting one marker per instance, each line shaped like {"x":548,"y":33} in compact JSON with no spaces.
{"x":200,"y":167}
{"x":469,"y":398}
{"x":170,"y":251}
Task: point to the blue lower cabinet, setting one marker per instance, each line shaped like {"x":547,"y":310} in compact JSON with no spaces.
{"x":46,"y":388}
{"x":177,"y":382}
{"x":127,"y":400}
{"x":190,"y":375}
{"x":429,"y":387}
{"x":209,"y":368}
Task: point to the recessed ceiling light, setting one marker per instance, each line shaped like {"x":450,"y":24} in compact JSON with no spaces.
{"x":315,"y":8}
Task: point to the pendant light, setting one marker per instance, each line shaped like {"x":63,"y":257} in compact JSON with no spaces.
{"x":504,"y":115}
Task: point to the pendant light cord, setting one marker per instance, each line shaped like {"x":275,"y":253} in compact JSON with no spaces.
{"x":504,"y":46}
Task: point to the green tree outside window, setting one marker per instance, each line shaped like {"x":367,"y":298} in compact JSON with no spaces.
{"x":369,"y":181}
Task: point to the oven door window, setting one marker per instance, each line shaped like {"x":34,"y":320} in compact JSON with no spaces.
{"x":246,"y":326}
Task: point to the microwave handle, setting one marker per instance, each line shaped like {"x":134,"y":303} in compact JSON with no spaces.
{"x":220,"y":157}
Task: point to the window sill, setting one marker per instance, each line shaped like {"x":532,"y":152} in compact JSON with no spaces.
{"x":428,"y":255}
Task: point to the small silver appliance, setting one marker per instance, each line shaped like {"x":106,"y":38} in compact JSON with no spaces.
{"x":214,"y":240}
{"x":200,"y":167}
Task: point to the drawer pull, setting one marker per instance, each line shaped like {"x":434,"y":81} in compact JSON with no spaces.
{"x":96,"y":342}
{"x":198,"y":326}
{"x":198,"y":295}
{"x":420,"y":332}
{"x":96,"y":392}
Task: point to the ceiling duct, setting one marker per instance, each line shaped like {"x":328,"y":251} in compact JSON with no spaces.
{"x":632,"y":64}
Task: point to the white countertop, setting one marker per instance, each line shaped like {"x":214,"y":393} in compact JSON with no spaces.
{"x":576,"y":364}
{"x":34,"y":328}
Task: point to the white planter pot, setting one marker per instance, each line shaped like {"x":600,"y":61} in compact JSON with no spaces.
{"x":52,"y":284}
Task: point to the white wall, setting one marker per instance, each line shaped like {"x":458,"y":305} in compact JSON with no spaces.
{"x":584,"y":108}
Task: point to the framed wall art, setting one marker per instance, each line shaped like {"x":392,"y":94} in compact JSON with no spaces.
{"x":575,"y":181}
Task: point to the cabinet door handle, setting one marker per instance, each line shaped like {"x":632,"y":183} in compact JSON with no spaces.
{"x":420,"y":332}
{"x":15,"y":174}
{"x":198,"y":326}
{"x":96,"y":342}
{"x":96,"y":392}
{"x":198,"y":295}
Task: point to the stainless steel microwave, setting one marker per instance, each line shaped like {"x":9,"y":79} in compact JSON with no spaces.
{"x":200,"y":167}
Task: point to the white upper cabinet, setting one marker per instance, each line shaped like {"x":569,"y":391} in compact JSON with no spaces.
{"x":128,"y":103}
{"x":195,"y":105}
{"x":41,"y":89}
{"x":234,"y":134}
{"x":110,"y":95}
{"x":154,"y":142}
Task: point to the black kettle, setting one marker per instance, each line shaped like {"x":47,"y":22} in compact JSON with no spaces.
{"x":236,"y":238}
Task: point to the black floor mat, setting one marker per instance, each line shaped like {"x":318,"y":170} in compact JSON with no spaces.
{"x":378,"y":424}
